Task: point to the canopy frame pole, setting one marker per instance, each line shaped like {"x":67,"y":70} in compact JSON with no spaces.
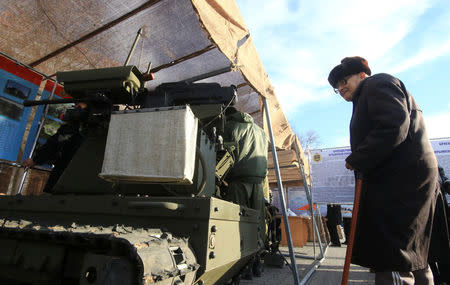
{"x":309,"y":197}
{"x":314,"y":226}
{"x":281,"y":190}
{"x":45,"y":76}
{"x":209,"y":74}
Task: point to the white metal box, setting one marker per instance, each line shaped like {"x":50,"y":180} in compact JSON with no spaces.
{"x":151,"y":146}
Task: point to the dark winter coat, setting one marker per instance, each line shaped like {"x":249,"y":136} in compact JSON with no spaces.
{"x":391,"y":148}
{"x":439,"y":254}
{"x":334,"y":215}
{"x":59,"y":150}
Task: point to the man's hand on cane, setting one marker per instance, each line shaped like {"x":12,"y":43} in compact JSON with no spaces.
{"x":348,"y":166}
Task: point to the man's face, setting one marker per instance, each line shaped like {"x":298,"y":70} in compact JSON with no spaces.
{"x":78,"y":112}
{"x":80,"y":105}
{"x":347,"y":86}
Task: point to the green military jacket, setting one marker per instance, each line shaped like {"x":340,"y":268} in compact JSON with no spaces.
{"x":251,"y":155}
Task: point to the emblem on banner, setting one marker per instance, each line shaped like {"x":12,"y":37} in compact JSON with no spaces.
{"x":317,"y":157}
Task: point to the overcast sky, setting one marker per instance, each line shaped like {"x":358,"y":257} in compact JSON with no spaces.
{"x":299,"y":42}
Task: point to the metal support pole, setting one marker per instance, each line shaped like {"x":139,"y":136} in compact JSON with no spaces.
{"x":138,"y":36}
{"x":314,"y":226}
{"x":311,"y":205}
{"x":208,"y":74}
{"x":308,"y":196}
{"x":45,"y":76}
{"x":282,"y":198}
{"x":316,"y":265}
{"x":321,"y":225}
{"x":41,"y":124}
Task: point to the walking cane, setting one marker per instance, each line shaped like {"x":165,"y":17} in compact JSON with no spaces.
{"x":348,"y":254}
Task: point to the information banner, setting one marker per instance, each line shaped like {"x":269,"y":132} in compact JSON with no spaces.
{"x":333,"y":183}
{"x":17,"y":83}
{"x":441,"y":149}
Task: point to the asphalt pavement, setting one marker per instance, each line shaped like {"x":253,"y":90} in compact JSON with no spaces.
{"x":329,"y":271}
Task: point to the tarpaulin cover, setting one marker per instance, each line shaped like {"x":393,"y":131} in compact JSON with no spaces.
{"x":182,"y":39}
{"x":289,"y":167}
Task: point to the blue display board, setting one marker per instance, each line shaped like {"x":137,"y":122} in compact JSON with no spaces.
{"x":16,"y":85}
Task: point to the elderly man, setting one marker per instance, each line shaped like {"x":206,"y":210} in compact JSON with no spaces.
{"x":390,"y":147}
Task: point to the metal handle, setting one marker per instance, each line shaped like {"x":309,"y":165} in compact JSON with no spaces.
{"x":152,"y":204}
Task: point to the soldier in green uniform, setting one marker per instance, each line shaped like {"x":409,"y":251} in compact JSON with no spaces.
{"x":246,"y":178}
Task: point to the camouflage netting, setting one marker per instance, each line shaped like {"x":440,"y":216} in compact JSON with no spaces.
{"x":182,"y":39}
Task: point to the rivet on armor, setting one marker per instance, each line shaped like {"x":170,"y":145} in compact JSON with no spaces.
{"x":212,"y":242}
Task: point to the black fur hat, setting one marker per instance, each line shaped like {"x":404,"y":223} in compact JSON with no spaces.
{"x":349,"y":65}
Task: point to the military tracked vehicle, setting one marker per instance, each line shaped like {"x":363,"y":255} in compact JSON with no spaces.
{"x":140,"y":201}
